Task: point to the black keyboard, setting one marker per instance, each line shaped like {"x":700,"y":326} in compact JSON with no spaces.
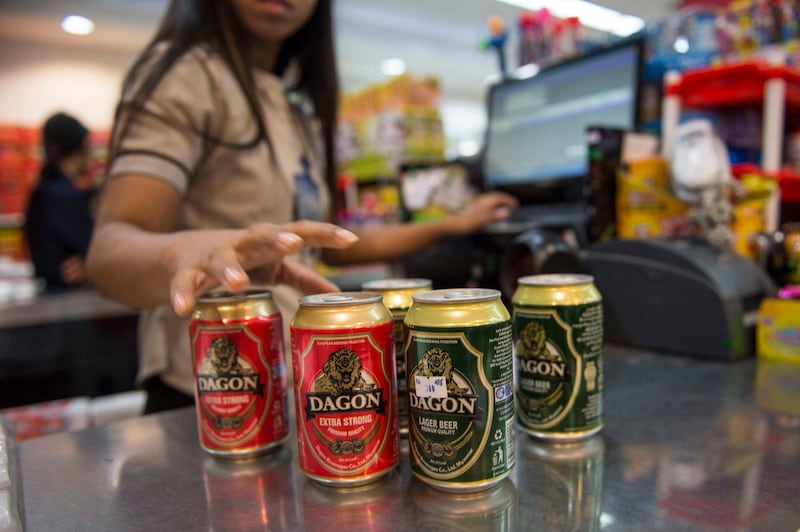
{"x":557,"y":214}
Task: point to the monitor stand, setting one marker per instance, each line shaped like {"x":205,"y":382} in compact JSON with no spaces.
{"x":678,"y":295}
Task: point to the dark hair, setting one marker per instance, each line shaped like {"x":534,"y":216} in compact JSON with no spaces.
{"x":187,"y":23}
{"x":62,"y":135}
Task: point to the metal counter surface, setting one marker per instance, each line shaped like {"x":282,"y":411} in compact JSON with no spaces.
{"x":58,"y":307}
{"x":687,"y":445}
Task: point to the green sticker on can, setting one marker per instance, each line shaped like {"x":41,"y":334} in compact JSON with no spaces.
{"x":461,"y":406}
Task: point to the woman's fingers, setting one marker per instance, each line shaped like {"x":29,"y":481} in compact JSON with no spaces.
{"x":497,"y":204}
{"x":182,"y":290}
{"x":320,"y":234}
{"x":225,"y":258}
{"x":205,"y":264}
{"x":262,"y":244}
{"x":225,"y":267}
{"x":486,"y":208}
{"x":294,"y":274}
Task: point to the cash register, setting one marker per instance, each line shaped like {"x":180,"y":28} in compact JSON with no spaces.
{"x":673,"y":295}
{"x":676,"y":295}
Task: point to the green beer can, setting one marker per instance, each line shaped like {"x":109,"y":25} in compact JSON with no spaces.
{"x":558,"y":341}
{"x":460,"y":389}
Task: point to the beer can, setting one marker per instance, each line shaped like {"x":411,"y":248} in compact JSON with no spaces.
{"x":460,"y":389}
{"x":558,"y":333}
{"x":567,"y":480}
{"x":239,"y":374}
{"x":397,"y":298}
{"x":344,"y":383}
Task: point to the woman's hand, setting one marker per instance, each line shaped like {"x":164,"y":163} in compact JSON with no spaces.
{"x":484,"y":209}
{"x":137,"y":256}
{"x":201,"y":260}
{"x":73,"y":270}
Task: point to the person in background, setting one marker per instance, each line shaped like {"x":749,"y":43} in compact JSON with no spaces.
{"x":221,"y":170}
{"x":58,"y":219}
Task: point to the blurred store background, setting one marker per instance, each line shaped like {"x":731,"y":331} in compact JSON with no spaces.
{"x":416,"y":78}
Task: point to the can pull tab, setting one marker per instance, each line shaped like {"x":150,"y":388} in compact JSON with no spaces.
{"x":337,"y":298}
{"x":455,"y":294}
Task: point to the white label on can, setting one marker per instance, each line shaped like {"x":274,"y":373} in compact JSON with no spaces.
{"x":430,"y":386}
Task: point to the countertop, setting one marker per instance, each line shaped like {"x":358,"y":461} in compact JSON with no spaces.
{"x":687,"y":445}
{"x":66,"y":344}
{"x":58,"y":307}
{"x":88,"y":304}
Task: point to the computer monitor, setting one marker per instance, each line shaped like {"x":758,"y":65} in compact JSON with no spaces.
{"x":535,"y":144}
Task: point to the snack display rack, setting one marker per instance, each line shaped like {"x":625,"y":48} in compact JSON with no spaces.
{"x":774,"y":88}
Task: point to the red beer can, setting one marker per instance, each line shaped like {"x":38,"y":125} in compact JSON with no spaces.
{"x":240,"y":376}
{"x":345,"y":388}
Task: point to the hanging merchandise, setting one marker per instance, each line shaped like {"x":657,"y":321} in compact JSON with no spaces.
{"x":683,"y":41}
{"x":706,"y":33}
{"x":545,"y":39}
{"x":498,"y":36}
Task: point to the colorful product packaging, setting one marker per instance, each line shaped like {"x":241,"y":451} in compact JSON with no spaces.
{"x":778,"y":331}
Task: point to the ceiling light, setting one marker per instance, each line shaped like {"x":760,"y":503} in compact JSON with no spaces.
{"x":526,"y":71}
{"x":591,"y":15}
{"x":77,"y":25}
{"x":468,"y":148}
{"x":681,"y":45}
{"x":393,"y":66}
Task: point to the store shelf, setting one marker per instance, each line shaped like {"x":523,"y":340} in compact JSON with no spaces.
{"x":735,"y":84}
{"x":788,"y":180}
{"x":773,"y":88}
{"x":11,"y":221}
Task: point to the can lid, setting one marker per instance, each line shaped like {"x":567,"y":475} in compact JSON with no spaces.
{"x":396,"y":284}
{"x":555,"y":279}
{"x":336,"y":299}
{"x":456,"y":295}
{"x":221,"y":296}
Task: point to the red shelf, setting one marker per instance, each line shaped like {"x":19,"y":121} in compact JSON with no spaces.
{"x":743,"y":84}
{"x":788,"y":180}
{"x":735,"y":84}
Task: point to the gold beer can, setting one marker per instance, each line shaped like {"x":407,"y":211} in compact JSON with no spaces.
{"x":460,"y":389}
{"x":558,"y":335}
{"x":397,"y":298}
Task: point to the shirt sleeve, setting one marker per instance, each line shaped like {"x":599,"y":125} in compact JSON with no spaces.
{"x":166,"y":141}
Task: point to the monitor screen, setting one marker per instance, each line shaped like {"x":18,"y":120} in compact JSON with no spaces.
{"x":536,"y":133}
